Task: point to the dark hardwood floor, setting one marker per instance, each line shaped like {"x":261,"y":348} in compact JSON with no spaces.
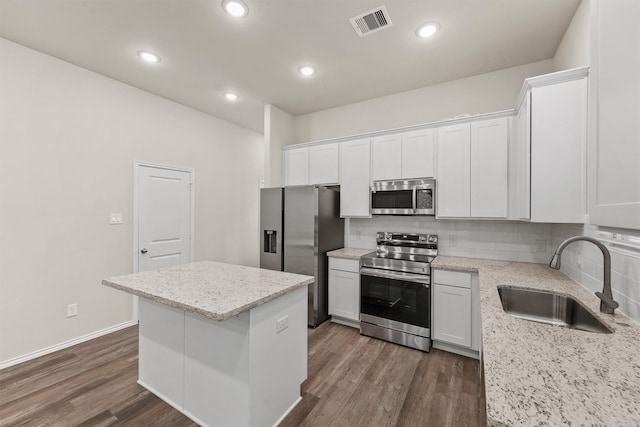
{"x":352,"y":381}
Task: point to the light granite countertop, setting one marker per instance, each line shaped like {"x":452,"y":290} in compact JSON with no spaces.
{"x":214,"y":290}
{"x":349,"y":253}
{"x":544,"y":375}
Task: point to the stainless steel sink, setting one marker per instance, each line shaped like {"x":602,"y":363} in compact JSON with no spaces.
{"x":549,"y":307}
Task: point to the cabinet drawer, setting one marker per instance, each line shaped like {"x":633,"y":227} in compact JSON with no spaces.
{"x":352,"y":265}
{"x":452,"y":278}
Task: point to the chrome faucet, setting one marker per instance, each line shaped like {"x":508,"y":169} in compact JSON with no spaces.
{"x":607,"y":304}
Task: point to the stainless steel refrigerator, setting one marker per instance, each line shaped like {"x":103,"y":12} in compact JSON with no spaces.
{"x":298,"y":226}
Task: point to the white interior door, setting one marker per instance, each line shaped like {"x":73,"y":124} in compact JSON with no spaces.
{"x":164,"y":216}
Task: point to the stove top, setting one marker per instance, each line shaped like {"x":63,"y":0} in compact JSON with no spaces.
{"x":406,"y":252}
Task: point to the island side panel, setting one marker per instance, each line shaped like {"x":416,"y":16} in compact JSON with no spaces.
{"x":217,"y":370}
{"x":161,"y":351}
{"x":278,"y":358}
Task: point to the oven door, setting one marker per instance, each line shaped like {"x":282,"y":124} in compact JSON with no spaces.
{"x":393,"y":202}
{"x":400,"y":301}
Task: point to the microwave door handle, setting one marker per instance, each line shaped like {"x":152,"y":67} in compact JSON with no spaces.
{"x":414,"y":197}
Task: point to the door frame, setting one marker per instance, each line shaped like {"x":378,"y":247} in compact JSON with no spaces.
{"x":136,"y":191}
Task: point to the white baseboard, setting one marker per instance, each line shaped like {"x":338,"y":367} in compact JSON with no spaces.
{"x":287,"y":411}
{"x":63,"y":345}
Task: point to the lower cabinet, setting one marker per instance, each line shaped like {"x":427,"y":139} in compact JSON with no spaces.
{"x":344,"y":291}
{"x":456,"y":312}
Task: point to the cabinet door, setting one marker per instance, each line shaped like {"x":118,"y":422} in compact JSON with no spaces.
{"x":344,"y":294}
{"x":296,"y":166}
{"x":452,"y":315}
{"x":489,"y":168}
{"x":417,"y":154}
{"x":558,"y":128}
{"x":355,"y":178}
{"x":523,"y":148}
{"x":323,"y":164}
{"x":387,"y":158}
{"x":454,"y":171}
{"x":614,"y":134}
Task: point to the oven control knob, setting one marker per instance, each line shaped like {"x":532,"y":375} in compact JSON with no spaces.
{"x":432,"y":239}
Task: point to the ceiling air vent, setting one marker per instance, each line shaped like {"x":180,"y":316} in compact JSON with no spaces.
{"x":371,"y":21}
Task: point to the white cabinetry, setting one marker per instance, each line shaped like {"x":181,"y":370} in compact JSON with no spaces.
{"x":456,"y":312}
{"x":317,"y":164}
{"x":418,"y":154}
{"x":387,"y":157}
{"x":323,"y":164}
{"x":489,"y":168}
{"x":473,"y":169}
{"x":454,"y":171}
{"x":355,"y":178}
{"x":296,"y":166}
{"x":344,"y":291}
{"x":523,"y":155}
{"x":614,"y":113}
{"x":403,"y":155}
{"x":551,"y":144}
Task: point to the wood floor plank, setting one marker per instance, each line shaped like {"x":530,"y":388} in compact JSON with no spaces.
{"x":352,"y":380}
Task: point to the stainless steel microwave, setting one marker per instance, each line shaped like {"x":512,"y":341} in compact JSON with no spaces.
{"x":404,"y":197}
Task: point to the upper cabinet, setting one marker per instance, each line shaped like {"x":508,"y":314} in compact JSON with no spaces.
{"x":551,"y":129}
{"x":296,"y":166}
{"x":473,"y":169}
{"x":387,"y":157}
{"x":317,"y":164}
{"x":403,"y":155}
{"x":454,"y":171}
{"x":614,"y":113}
{"x":324,"y":167}
{"x":418,"y":154}
{"x":355,"y":178}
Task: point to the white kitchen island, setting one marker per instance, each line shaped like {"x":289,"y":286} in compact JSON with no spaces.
{"x":224,"y":344}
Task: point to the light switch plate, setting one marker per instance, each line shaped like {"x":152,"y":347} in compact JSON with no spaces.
{"x":115,"y":218}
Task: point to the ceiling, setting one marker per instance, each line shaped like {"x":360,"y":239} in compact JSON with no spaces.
{"x":206,"y":52}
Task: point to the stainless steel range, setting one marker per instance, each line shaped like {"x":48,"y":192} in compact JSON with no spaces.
{"x":395,"y":289}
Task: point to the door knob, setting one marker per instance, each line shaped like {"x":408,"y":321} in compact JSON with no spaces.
{"x":143,"y":251}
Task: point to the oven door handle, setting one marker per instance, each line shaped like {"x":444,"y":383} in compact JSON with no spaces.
{"x":418,"y":278}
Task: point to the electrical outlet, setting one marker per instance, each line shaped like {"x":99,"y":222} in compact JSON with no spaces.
{"x":282,"y":324}
{"x":72,"y":310}
{"x":115,"y":218}
{"x":541,"y":245}
{"x":453,"y":241}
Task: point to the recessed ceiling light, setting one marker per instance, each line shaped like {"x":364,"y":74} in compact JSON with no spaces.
{"x":148,"y":56}
{"x":231,"y":96}
{"x":236,"y":8}
{"x":428,"y":29}
{"x":307,"y":70}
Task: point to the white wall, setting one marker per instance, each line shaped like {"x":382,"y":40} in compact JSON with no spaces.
{"x":68,"y":140}
{"x":483,"y":93}
{"x":574,"y":49}
{"x":279,"y":130}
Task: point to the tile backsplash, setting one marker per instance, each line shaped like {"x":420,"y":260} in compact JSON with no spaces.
{"x":526,"y":242}
{"x":513,"y":241}
{"x":583,"y":262}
